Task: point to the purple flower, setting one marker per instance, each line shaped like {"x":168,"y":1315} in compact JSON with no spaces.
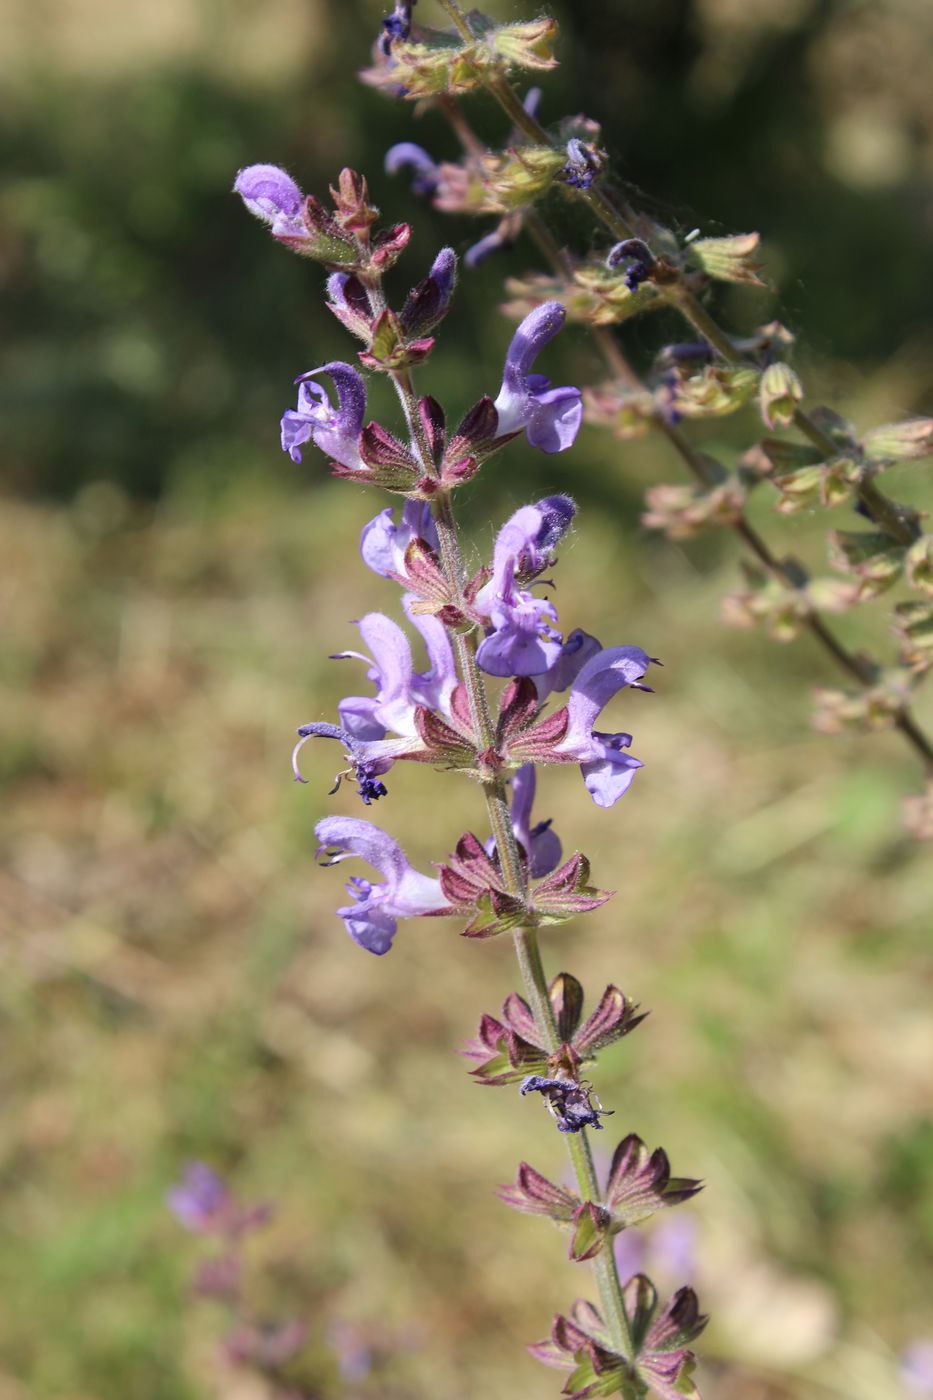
{"x":540,"y":843}
{"x":582,"y":167}
{"x":373,"y":916}
{"x":400,"y":689}
{"x":383,"y":543}
{"x":367,"y":761}
{"x":426,"y":171}
{"x":638,"y":257}
{"x":521,"y":640}
{"x":272,"y":195}
{"x":550,"y":417}
{"x":335,"y":431}
{"x":201,"y":1201}
{"x":478,"y":252}
{"x":916,"y":1368}
{"x":397,"y":25}
{"x":574,"y":654}
{"x":607,"y":770}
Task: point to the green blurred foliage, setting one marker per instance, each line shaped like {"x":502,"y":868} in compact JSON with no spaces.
{"x":175,"y":983}
{"x":141,"y":301}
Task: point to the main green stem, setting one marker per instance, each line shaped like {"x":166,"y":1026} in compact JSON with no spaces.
{"x":525,"y":940}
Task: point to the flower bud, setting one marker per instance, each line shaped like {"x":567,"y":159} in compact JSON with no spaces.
{"x":779,"y":394}
{"x":728,"y":259}
{"x":919,"y":564}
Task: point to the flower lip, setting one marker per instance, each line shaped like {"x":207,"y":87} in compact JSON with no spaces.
{"x":372,"y":917}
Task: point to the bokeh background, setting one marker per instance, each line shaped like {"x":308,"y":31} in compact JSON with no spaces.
{"x":175,"y":985}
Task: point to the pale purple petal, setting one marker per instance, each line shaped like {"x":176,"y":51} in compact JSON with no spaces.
{"x":554,"y":419}
{"x":358,"y":717}
{"x":434,"y":687}
{"x":416,"y":158}
{"x":383,"y":543}
{"x":610,"y":776}
{"x":201,"y":1200}
{"x":268,"y":192}
{"x":541,"y":844}
{"x":523,"y":643}
{"x":335,"y":431}
{"x":916,"y":1368}
{"x":605,"y":674}
{"x":391,"y":653}
{"x":371,"y":919}
{"x":444,"y":273}
{"x":550,"y":417}
{"x":574,"y":654}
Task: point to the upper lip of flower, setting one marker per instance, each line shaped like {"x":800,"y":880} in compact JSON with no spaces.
{"x":551,"y":417}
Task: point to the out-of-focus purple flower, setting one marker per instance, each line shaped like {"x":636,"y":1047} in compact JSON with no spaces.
{"x":400,"y":689}
{"x":607,"y":770}
{"x":354,"y":1355}
{"x":336,"y":431}
{"x":397,"y":25}
{"x":484,"y":247}
{"x":425,"y":170}
{"x":383,"y":543}
{"x":372,"y":918}
{"x":540,"y":842}
{"x":522,"y":641}
{"x":916,"y":1368}
{"x":267,"y":1347}
{"x":201,"y":1201}
{"x":272,"y":195}
{"x":550,"y":417}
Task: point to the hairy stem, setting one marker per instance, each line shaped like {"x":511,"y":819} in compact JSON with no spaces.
{"x":900,"y":525}
{"x":527,"y":951}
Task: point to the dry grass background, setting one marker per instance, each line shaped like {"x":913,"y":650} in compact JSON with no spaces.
{"x":176,"y":985}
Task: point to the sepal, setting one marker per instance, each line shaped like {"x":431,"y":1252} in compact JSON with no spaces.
{"x":640,"y":1183}
{"x":592,"y":1225}
{"x":526,"y":45}
{"x":567,"y":892}
{"x":324,"y":239}
{"x":899,"y":442}
{"x":682,"y":511}
{"x":779,"y":394}
{"x":913,"y":626}
{"x":872,"y":556}
{"x":352,"y":208}
{"x":507,"y":1050}
{"x":533,"y":1194}
{"x":918,"y":564}
{"x":729,"y":259}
